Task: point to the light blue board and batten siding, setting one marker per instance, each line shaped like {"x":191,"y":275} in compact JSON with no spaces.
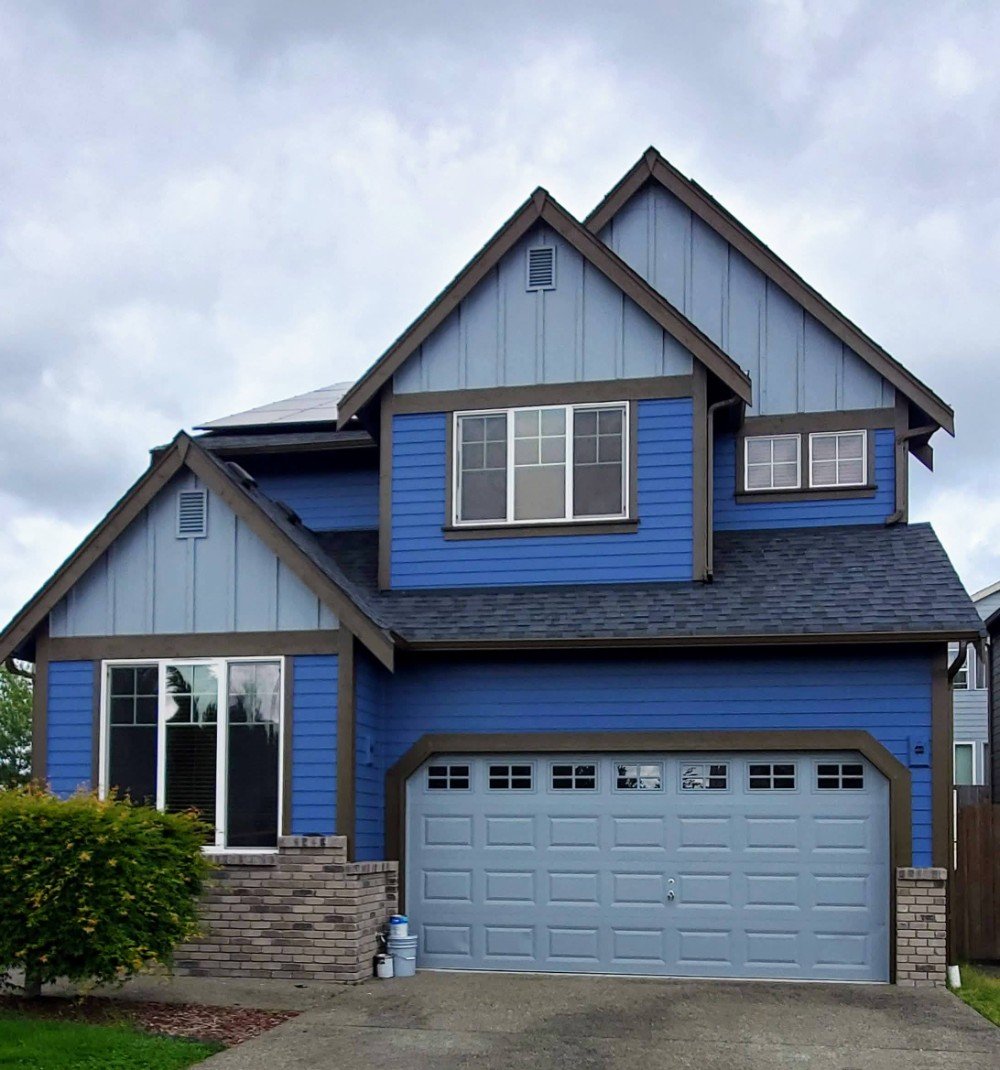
{"x":660,"y":550}
{"x":584,"y":330}
{"x":70,"y":736}
{"x":886,"y":695}
{"x":150,"y":582}
{"x":327,"y":500}
{"x":731,"y":515}
{"x":795,"y":363}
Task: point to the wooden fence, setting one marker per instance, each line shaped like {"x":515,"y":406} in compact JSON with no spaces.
{"x":975,"y":894}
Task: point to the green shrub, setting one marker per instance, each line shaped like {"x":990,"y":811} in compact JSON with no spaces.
{"x":91,"y":889}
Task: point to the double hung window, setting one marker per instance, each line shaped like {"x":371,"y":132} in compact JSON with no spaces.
{"x":201,"y":734}
{"x":536,"y":465}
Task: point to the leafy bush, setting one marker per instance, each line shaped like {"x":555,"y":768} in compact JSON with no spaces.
{"x":91,"y":889}
{"x":15,"y":728}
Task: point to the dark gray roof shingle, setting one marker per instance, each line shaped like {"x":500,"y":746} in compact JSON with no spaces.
{"x":804,"y":582}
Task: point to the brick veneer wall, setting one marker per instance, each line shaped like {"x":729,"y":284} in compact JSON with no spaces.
{"x":921,"y":926}
{"x":303,"y":912}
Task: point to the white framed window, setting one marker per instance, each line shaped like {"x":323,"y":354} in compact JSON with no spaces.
{"x":704,"y":776}
{"x":198,"y":733}
{"x":771,"y":776}
{"x":639,"y":776}
{"x":517,"y":776}
{"x":772,"y":462}
{"x":972,"y":675}
{"x":544,"y":464}
{"x":573,"y":776}
{"x":971,"y":761}
{"x":838,"y":459}
{"x":840,"y":776}
{"x":448,"y":777}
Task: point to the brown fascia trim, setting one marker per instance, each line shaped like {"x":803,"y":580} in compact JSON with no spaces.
{"x":346,"y":733}
{"x":385,"y":489}
{"x":686,"y":641}
{"x":505,"y":397}
{"x":817,"y":422}
{"x":942,"y":758}
{"x":40,"y":706}
{"x":287,"y":737}
{"x":653,"y":167}
{"x":541,"y":208}
{"x":900,"y":827}
{"x":193,"y":645}
{"x":259,"y":445}
{"x":184,"y":452}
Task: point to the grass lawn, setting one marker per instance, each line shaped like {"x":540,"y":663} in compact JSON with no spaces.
{"x":981,"y":990}
{"x":38,"y":1044}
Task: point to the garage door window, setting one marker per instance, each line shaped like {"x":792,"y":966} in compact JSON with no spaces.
{"x":840,"y":776}
{"x":448,"y":778}
{"x":567,"y":777}
{"x":645,"y":777}
{"x":511,"y":778}
{"x":703,"y":776}
{"x":768,"y":776}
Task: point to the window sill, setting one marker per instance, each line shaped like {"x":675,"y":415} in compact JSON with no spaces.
{"x":625,"y":526}
{"x":807,"y":494}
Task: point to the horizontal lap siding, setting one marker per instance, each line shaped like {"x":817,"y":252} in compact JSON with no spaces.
{"x":70,"y":727}
{"x":314,"y":745}
{"x":730,"y":515}
{"x":660,"y":550}
{"x":972,"y":721}
{"x":328,"y":501}
{"x":886,"y":695}
{"x":369,"y":783}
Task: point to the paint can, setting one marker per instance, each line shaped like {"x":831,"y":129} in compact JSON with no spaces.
{"x":399,"y":925}
{"x":404,"y":955}
{"x":383,"y":966}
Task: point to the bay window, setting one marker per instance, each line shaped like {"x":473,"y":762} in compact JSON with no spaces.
{"x":201,"y":734}
{"x":545,"y":464}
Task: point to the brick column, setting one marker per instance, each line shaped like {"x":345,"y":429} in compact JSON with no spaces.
{"x":302,"y":912}
{"x":921,"y":926}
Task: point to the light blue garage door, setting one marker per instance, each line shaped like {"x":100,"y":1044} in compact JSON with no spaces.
{"x":728,"y":865}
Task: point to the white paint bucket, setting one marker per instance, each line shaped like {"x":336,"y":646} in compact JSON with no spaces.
{"x":399,"y":925}
{"x":384,"y":966}
{"x":404,"y":955}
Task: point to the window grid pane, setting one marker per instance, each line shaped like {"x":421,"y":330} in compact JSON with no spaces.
{"x":599,"y":461}
{"x":571,"y":777}
{"x":771,"y":776}
{"x":448,"y":777}
{"x":837,"y":459}
{"x":510,"y":777}
{"x":482,"y":467}
{"x":771,"y":462}
{"x":840,"y":776}
{"x":704,"y":776}
{"x":540,"y":464}
{"x":634,"y":776}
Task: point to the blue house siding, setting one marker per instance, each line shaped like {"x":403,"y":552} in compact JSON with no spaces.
{"x":730,"y":515}
{"x":660,"y":550}
{"x":70,"y":726}
{"x":885,"y":694}
{"x":369,"y":783}
{"x":314,"y":745}
{"x":329,"y":500}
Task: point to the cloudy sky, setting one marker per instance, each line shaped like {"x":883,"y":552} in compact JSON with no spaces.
{"x":208,"y":205}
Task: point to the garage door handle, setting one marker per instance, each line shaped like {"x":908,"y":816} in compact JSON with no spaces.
{"x":670,"y":895}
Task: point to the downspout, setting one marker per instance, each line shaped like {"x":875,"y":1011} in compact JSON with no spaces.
{"x":710,"y":496}
{"x":916,"y":432}
{"x":963,"y":650}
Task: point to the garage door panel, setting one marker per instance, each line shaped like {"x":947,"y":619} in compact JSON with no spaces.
{"x":764,"y":883}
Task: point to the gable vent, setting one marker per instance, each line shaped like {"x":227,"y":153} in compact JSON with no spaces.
{"x":192,"y":514}
{"x":542,"y":267}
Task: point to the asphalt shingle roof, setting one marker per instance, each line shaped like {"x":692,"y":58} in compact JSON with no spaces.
{"x":831,"y":581}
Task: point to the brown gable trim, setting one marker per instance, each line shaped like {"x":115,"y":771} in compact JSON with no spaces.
{"x":185,"y":452}
{"x":40,"y":707}
{"x":540,"y":207}
{"x":900,"y":828}
{"x":217,"y":478}
{"x":346,"y":734}
{"x":653,"y":167}
{"x":125,"y":510}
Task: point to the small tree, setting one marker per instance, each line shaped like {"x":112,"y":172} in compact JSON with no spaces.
{"x":15,"y":728}
{"x":94,"y":890}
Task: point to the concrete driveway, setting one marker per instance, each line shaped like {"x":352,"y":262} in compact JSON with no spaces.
{"x":441,"y":1021}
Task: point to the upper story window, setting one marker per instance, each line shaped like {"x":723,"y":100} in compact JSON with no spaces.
{"x":773,"y":462}
{"x":972,"y":675}
{"x":552,"y":463}
{"x":203,"y":734}
{"x":838,"y":459}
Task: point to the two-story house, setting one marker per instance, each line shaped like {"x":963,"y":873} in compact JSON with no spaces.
{"x":591,"y":609}
{"x":970,"y":683}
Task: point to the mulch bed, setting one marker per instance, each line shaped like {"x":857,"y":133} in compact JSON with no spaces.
{"x":224,"y":1025}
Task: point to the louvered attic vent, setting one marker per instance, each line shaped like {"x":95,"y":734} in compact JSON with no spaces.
{"x":192,"y":514}
{"x":542,"y":267}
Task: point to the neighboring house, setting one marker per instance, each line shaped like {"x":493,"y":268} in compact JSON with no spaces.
{"x":972,"y":746}
{"x":593,"y":604}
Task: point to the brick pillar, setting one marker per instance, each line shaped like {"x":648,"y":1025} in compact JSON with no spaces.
{"x":301,"y":912}
{"x":921,"y":926}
